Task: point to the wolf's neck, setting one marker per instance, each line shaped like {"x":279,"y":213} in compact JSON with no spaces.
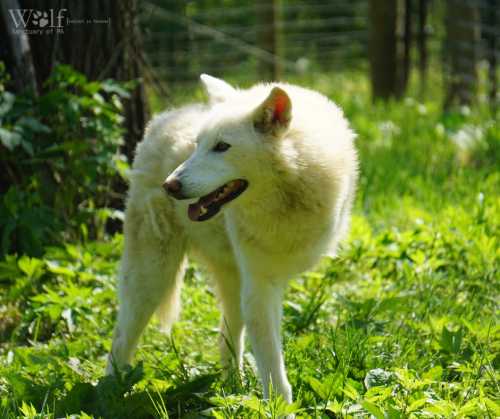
{"x":284,"y":199}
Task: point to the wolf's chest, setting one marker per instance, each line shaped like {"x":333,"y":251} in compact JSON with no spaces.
{"x":298,"y":241}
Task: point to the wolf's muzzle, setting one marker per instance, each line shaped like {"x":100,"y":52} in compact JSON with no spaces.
{"x":173,"y":187}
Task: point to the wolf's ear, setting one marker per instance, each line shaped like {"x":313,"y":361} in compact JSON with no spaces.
{"x":217,"y":90}
{"x":274,"y":114}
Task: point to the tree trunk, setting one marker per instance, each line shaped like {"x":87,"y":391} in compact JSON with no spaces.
{"x":23,"y":71}
{"x":492,"y":48}
{"x":389,"y":44}
{"x":462,"y":41}
{"x":382,"y":47}
{"x":136,"y":109}
{"x":404,"y":49}
{"x":267,"y":38}
{"x":422,"y":44}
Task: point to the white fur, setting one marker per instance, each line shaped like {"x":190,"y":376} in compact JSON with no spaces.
{"x":296,"y":208}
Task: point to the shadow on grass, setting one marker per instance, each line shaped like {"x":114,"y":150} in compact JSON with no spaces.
{"x":112,"y":397}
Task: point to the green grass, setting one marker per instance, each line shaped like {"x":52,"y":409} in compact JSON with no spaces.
{"x":403,"y":324}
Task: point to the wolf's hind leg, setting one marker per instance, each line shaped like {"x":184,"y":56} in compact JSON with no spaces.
{"x":150,"y":280}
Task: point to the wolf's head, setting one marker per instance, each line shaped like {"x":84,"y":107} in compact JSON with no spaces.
{"x":232,"y":148}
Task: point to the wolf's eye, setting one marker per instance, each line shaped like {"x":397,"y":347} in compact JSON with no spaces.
{"x":221,"y":146}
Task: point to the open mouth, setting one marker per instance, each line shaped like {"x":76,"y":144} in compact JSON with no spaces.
{"x":209,"y":205}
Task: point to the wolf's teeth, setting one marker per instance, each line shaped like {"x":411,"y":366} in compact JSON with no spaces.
{"x":203,"y":211}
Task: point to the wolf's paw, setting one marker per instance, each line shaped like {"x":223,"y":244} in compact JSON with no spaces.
{"x":40,"y":19}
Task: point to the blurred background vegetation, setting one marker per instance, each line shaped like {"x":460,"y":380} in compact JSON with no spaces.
{"x":65,"y":148}
{"x":404,"y":323}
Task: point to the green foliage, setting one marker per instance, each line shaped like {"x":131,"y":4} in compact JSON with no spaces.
{"x":402,"y":325}
{"x":59,"y":154}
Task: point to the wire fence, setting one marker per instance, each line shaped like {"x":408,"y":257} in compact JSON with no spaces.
{"x":188,"y":39}
{"x":183,"y":39}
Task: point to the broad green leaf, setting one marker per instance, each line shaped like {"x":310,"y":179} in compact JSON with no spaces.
{"x":32,"y":267}
{"x":7,"y":99}
{"x":373,"y":409}
{"x":334,"y":406}
{"x":351,"y":392}
{"x":33,"y":124}
{"x":10,"y":139}
{"x":491,"y":405}
{"x":416,"y":404}
{"x":433,"y":374}
{"x":440,"y":407}
{"x":54,"y":267}
{"x":329,"y":386}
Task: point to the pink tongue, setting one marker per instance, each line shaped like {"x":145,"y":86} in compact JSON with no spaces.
{"x":194,"y":211}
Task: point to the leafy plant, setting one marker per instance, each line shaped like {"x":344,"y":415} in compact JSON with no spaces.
{"x":60,"y":153}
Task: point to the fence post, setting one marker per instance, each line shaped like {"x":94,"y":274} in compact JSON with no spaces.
{"x":267,"y":38}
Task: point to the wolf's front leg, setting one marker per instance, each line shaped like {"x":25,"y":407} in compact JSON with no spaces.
{"x":231,"y":326}
{"x":261,"y":307}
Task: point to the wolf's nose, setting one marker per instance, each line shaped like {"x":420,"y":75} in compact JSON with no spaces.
{"x":173,"y":188}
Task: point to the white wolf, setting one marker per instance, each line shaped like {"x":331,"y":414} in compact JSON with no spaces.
{"x":260,"y":184}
